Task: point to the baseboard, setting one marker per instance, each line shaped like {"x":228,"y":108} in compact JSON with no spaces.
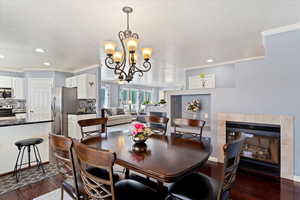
{"x":11,"y":172}
{"x":213,"y":159}
{"x":297,"y":179}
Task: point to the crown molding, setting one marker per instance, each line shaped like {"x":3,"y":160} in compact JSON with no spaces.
{"x":282,"y":29}
{"x":45,"y":69}
{"x":224,"y":63}
{"x":5,"y":69}
{"x":278,"y":30}
{"x":86,"y":68}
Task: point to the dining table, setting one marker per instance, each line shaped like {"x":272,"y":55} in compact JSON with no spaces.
{"x":164,"y":158}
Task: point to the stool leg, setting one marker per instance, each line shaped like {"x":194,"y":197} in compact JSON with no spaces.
{"x":36,"y":159}
{"x":40,"y":159}
{"x":29,"y":150}
{"x":20,"y":165}
{"x":16,"y":165}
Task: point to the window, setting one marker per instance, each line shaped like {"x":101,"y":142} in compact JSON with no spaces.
{"x":141,"y":97}
{"x":104,"y":97}
{"x":148,"y":95}
{"x":136,"y":98}
{"x":124,"y":96}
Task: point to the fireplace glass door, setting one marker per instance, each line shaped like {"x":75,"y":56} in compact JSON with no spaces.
{"x":258,"y":147}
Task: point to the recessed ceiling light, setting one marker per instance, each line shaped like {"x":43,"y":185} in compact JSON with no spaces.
{"x":46,"y":63}
{"x":209,"y":60}
{"x":2,"y":56}
{"x":39,"y":50}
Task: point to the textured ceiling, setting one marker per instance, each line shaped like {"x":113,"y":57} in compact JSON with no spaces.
{"x":182,"y":33}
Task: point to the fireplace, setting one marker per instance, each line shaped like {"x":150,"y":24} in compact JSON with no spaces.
{"x":261,"y":150}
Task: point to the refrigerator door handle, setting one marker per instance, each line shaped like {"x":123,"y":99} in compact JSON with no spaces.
{"x":53,"y":106}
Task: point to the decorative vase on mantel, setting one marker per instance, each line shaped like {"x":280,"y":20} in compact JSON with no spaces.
{"x":195,"y":115}
{"x":194,"y":107}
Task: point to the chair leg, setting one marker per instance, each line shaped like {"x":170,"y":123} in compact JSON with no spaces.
{"x":62,"y":193}
{"x":29,"y":150}
{"x":18,"y":171}
{"x":40,"y":159}
{"x":16,"y":165}
{"x":36,"y":159}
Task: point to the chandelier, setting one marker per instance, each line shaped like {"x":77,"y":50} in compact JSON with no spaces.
{"x":124,"y":63}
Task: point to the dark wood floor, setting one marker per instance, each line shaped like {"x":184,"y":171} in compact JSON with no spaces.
{"x":247,"y":187}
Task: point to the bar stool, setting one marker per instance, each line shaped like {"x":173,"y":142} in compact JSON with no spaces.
{"x":22,"y":145}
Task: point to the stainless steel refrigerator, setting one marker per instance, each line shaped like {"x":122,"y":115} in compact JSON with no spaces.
{"x":64,"y":101}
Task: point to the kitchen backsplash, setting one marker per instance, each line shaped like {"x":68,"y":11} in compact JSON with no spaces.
{"x":87,"y":105}
{"x":15,"y":103}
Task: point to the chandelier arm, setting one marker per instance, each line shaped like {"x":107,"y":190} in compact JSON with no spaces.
{"x":122,"y":37}
{"x":147,"y":66}
{"x":137,"y":70}
{"x":135,"y":35}
{"x":109,"y":62}
{"x":119,"y":71}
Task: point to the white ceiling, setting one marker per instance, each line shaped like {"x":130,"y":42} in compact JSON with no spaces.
{"x":183,"y":33}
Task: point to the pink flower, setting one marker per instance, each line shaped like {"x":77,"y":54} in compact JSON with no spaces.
{"x":134,"y":133}
{"x":139,"y":126}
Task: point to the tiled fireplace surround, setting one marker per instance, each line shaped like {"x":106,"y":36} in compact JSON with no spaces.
{"x":286,"y":133}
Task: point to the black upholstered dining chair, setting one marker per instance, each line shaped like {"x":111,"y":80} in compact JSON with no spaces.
{"x":107,"y":187}
{"x":198,"y":186}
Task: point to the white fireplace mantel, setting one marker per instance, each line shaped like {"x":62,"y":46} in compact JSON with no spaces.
{"x":286,"y":133}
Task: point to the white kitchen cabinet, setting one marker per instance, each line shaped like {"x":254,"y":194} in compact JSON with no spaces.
{"x":86,"y":85}
{"x":91,"y":83}
{"x":71,"y":82}
{"x":74,"y":130}
{"x":18,"y":88}
{"x":5,"y":82}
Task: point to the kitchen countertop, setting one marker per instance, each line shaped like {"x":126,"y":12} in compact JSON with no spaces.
{"x":82,"y":113}
{"x":17,"y":122}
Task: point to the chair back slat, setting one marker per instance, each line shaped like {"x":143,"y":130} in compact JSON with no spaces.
{"x":95,"y":157}
{"x":179,"y":122}
{"x":95,"y":187}
{"x":92,"y":122}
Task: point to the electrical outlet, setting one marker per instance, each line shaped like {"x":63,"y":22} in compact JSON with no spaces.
{"x":205,"y":115}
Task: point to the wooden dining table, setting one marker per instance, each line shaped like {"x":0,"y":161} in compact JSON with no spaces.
{"x":164,"y":158}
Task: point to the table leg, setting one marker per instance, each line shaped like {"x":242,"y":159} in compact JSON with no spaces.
{"x":127,"y":173}
{"x":160,"y":187}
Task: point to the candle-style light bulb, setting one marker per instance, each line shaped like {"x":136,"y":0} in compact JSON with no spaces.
{"x":118,"y":57}
{"x":147,"y":53}
{"x":132,"y":44}
{"x":109,"y":48}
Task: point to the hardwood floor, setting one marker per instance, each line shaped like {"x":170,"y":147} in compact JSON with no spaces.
{"x":247,"y":187}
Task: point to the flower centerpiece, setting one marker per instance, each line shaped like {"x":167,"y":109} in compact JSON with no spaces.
{"x":194,"y":107}
{"x":140,"y":133}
